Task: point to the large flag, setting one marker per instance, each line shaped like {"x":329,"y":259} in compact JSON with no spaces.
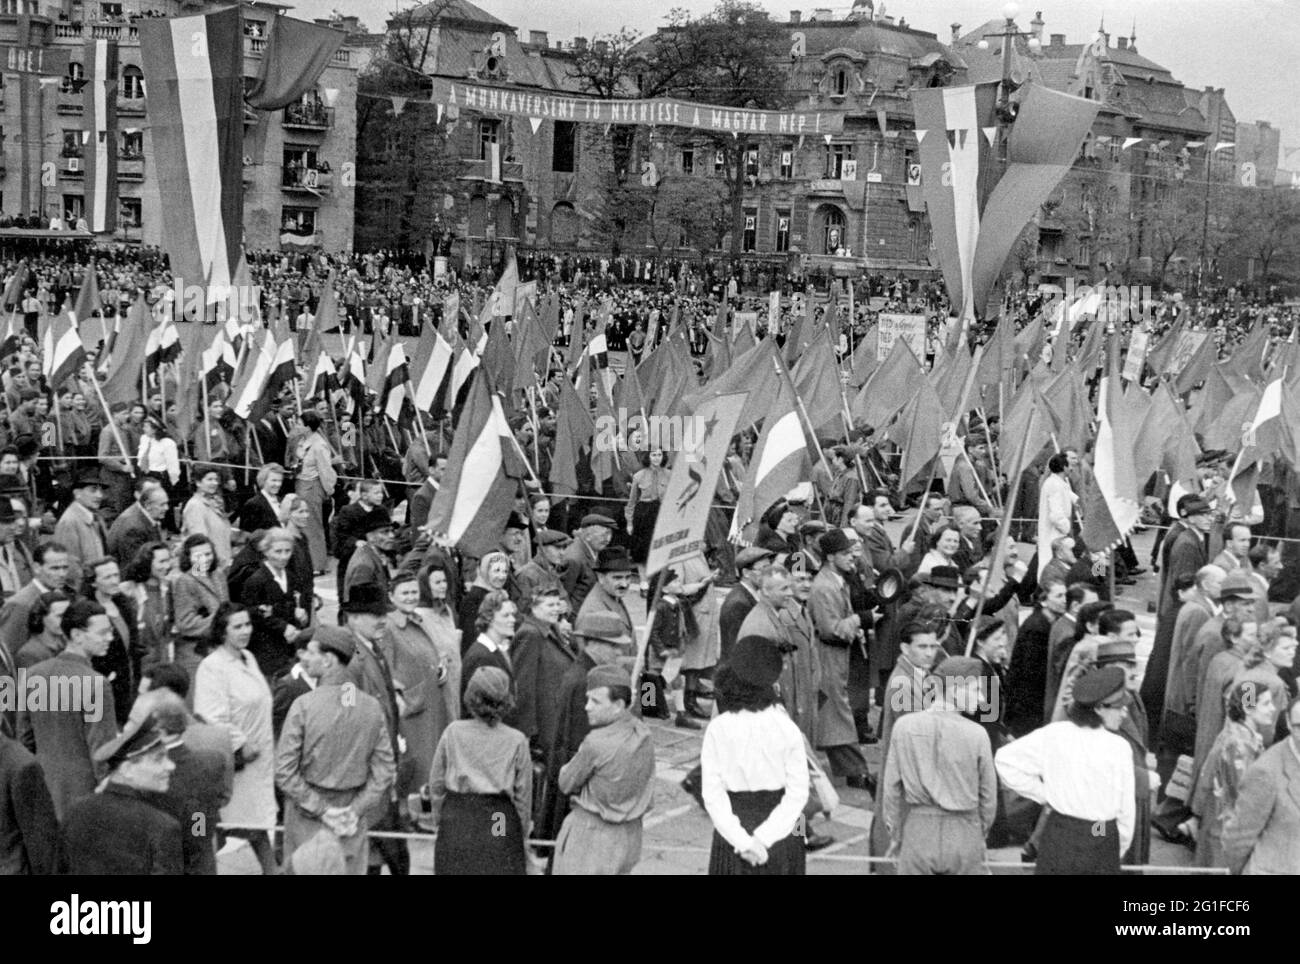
{"x":127,"y":358}
{"x":1165,"y":440}
{"x":163,"y":345}
{"x":1105,"y":524}
{"x":296,"y":54}
{"x":478,"y":491}
{"x":755,"y":368}
{"x":891,"y":387}
{"x":100,"y":119}
{"x":252,"y":380}
{"x":431,"y":365}
{"x":14,"y":288}
{"x":195,"y":70}
{"x":779,"y":462}
{"x":284,"y":369}
{"x":397,"y":382}
{"x":977,"y":208}
{"x":1266,"y":435}
{"x":817,"y":380}
{"x":684,"y":511}
{"x":574,"y":431}
{"x":919,"y":432}
{"x":64,"y":352}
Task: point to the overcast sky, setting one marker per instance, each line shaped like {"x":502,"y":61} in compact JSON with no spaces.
{"x":1246,"y":46}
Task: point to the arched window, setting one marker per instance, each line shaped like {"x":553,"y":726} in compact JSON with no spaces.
{"x":841,"y":82}
{"x":832,"y":219}
{"x":132,"y":82}
{"x":564,"y":225}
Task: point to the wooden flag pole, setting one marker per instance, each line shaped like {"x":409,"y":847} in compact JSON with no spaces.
{"x":207,"y":422}
{"x":117,"y":435}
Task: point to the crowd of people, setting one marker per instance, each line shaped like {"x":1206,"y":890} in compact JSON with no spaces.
{"x":173,"y":580}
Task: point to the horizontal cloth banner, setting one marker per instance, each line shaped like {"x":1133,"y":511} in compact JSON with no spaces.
{"x":665,"y":111}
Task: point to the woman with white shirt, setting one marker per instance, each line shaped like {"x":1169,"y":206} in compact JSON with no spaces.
{"x":754,"y":769}
{"x":943,"y":547}
{"x":1083,"y":771}
{"x":159,"y":459}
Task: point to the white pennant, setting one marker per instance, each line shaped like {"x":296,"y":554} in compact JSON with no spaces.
{"x":989,"y":134}
{"x":827,"y":138}
{"x":399,"y":105}
{"x":1130,"y":141}
{"x":920,"y":134}
{"x":536,"y":122}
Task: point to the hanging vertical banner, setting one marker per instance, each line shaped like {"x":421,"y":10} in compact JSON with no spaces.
{"x":100,"y":135}
{"x":195,"y":69}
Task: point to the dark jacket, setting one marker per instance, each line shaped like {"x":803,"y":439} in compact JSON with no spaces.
{"x":1027,"y":676}
{"x":257,"y":514}
{"x":122,"y":832}
{"x":540,"y":657}
{"x":734,"y":609}
{"x":479,"y":655}
{"x":29,"y":828}
{"x":271,"y":610}
{"x":130,"y":530}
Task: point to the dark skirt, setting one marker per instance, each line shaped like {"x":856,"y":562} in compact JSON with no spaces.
{"x":472,"y":840}
{"x":1072,"y":846}
{"x":786,"y":857}
{"x":643,"y":529}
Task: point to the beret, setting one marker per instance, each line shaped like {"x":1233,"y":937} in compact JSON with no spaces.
{"x":1099,"y":683}
{"x":610,"y":674}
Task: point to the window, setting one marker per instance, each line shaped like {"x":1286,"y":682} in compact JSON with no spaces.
{"x":478,"y":217}
{"x":129,"y":212}
{"x":301,"y":166}
{"x":719,"y":162}
{"x":110,"y":11}
{"x":787,"y":161}
{"x":301,"y":221}
{"x":624,"y":140}
{"x":833,"y":229}
{"x":505,"y":218}
{"x":836,"y":155}
{"x":132,"y":145}
{"x":751,"y":162}
{"x":74,"y":80}
{"x":1115,"y":147}
{"x":132,"y":82}
{"x":841,"y":82}
{"x":72,"y":146}
{"x":488,"y":133}
{"x":564,"y":147}
{"x":688,"y":160}
{"x":74,"y":207}
{"x":1085,"y":197}
{"x":1084,"y":254}
{"x":749,"y":240}
{"x":782,"y":231}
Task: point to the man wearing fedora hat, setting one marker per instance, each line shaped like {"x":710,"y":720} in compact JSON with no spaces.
{"x":615,"y":572}
{"x":365,"y":613}
{"x":80,"y":528}
{"x":1120,"y":649}
{"x":838,"y":628}
{"x":334,"y":759}
{"x":579,"y":573}
{"x":123,"y":830}
{"x":369,"y":562}
{"x":1189,"y":550}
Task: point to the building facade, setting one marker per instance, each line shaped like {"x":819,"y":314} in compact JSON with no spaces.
{"x":298,"y":192}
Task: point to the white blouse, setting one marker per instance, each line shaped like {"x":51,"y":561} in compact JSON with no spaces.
{"x":1080,"y":772}
{"x":159,"y":455}
{"x":754,"y":751}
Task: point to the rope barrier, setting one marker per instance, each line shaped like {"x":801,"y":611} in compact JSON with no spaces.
{"x":1154,"y":869}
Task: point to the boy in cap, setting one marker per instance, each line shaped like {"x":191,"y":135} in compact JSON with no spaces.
{"x":334,"y":761}
{"x":938,"y":785}
{"x":121,"y":830}
{"x":608,"y":782}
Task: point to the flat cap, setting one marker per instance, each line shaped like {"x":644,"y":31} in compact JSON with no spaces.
{"x":751,"y":556}
{"x":1237,"y":585}
{"x":596,"y":519}
{"x":553,"y":537}
{"x":959,"y":666}
{"x":610,"y":674}
{"x":336,"y":640}
{"x":603,"y":627}
{"x":1115,"y":651}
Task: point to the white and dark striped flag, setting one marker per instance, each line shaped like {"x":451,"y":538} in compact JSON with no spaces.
{"x":100,"y":113}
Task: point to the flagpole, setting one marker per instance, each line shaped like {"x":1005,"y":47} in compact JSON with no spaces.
{"x":993,"y":455}
{"x":207,"y":422}
{"x":117,"y":435}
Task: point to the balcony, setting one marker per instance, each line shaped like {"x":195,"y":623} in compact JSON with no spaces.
{"x":70,"y":100}
{"x":314,"y":117}
{"x":130,"y":167}
{"x":479,"y":170}
{"x":72,"y":150}
{"x":297,"y":180}
{"x":130,"y":106}
{"x":104,"y":30}
{"x":254,"y":46}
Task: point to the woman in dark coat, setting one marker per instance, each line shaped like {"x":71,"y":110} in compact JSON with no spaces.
{"x":279,"y":615}
{"x":779,"y":531}
{"x":121,"y":664}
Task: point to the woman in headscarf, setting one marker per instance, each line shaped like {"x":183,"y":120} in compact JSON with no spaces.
{"x":481,"y":786}
{"x":493,"y":574}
